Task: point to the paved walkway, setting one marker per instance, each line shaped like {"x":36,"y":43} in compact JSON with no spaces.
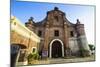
{"x":62,"y":60}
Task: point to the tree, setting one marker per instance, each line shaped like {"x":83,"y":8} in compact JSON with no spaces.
{"x":92,"y":47}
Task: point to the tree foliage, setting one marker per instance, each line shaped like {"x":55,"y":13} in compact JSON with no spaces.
{"x":33,"y":56}
{"x":92,"y":47}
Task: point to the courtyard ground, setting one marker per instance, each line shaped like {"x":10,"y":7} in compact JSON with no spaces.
{"x":67,"y":60}
{"x":64,"y":60}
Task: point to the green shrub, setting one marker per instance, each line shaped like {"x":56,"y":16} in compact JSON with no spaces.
{"x":33,"y":56}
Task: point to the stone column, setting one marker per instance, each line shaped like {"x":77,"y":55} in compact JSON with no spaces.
{"x":66,"y":38}
{"x":46,"y":41}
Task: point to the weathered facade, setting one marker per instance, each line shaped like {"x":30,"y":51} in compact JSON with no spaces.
{"x":59,"y":37}
{"x":23,"y":42}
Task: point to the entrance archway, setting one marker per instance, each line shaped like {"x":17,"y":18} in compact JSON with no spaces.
{"x":15,"y":52}
{"x":56,"y":49}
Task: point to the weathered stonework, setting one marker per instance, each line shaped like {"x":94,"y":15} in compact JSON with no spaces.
{"x":57,"y":27}
{"x":22,"y":41}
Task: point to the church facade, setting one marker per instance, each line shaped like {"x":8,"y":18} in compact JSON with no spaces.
{"x":59,"y":36}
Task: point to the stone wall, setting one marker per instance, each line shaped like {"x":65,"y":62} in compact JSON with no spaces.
{"x":73,"y":45}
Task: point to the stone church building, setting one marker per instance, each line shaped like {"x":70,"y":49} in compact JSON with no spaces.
{"x":59,"y":36}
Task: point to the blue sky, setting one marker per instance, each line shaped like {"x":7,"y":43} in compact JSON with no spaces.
{"x":24,"y":10}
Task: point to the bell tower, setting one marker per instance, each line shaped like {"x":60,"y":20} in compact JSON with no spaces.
{"x":82,"y":41}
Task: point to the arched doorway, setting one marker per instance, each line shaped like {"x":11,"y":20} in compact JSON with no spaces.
{"x":56,"y":49}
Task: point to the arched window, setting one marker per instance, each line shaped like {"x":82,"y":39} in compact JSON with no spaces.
{"x":33,"y":50}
